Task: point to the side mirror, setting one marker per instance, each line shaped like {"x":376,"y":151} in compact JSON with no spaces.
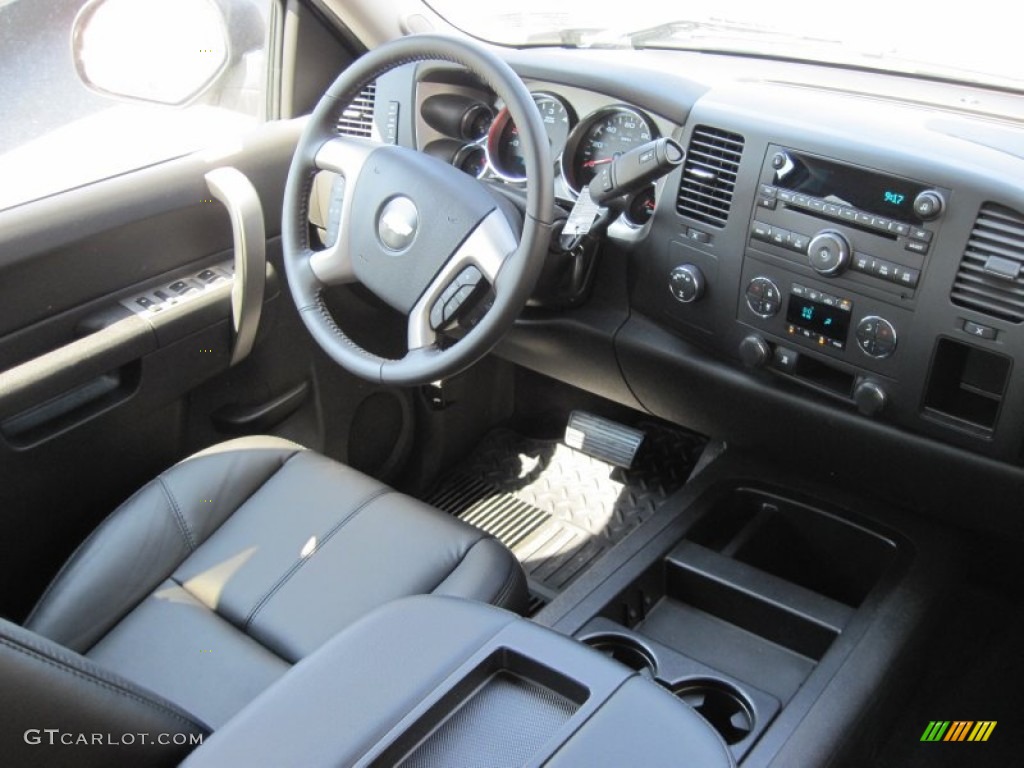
{"x":162,"y":51}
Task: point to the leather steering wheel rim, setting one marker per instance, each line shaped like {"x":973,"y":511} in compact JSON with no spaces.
{"x":512,"y":278}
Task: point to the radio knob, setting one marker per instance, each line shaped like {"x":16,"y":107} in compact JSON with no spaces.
{"x":828,"y":253}
{"x":686,"y":283}
{"x":755,"y":352}
{"x":870,"y":397}
{"x":928,"y":205}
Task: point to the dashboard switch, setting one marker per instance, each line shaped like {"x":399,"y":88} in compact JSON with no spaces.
{"x":979,"y":331}
{"x":686,"y":283}
{"x":755,"y":352}
{"x":785,"y":359}
{"x":870,"y":397}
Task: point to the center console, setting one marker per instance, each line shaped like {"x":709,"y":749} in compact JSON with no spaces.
{"x":765,"y":608}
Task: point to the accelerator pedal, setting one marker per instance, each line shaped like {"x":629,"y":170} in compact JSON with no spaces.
{"x":603,"y":439}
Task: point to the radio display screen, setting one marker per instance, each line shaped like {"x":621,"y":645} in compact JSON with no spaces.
{"x":833,"y":182}
{"x":831,"y":322}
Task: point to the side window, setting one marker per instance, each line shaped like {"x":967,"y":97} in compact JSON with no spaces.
{"x":95,"y":88}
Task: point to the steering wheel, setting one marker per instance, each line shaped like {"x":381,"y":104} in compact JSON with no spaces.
{"x":418,"y":233}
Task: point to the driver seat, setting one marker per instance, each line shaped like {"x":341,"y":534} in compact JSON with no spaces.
{"x":210,"y":582}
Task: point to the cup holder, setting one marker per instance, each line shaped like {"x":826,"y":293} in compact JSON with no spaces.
{"x":721,"y":705}
{"x":624,"y":650}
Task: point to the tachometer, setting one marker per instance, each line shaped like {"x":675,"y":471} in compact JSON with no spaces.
{"x":504,"y":148}
{"x":601,"y":138}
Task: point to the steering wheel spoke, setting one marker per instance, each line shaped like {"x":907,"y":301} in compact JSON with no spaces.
{"x":346,"y":157}
{"x":479,"y":259}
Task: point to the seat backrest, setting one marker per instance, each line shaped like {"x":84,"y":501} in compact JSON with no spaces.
{"x":58,"y":708}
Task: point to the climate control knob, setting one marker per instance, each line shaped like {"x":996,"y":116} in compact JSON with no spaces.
{"x":763,"y":297}
{"x":876,"y":337}
{"x":828,"y":252}
{"x":686,"y":283}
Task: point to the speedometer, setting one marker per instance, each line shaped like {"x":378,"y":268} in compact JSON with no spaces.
{"x":601,"y":138}
{"x":504,"y":147}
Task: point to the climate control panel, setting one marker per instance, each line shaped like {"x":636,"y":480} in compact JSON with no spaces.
{"x":798,"y":312}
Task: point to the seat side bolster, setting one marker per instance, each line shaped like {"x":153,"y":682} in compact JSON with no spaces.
{"x":488,"y":573}
{"x":48,"y":687}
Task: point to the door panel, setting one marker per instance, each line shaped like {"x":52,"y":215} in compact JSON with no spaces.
{"x":95,"y":400}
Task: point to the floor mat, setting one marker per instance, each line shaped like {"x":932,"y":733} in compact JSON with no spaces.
{"x":556,"y":508}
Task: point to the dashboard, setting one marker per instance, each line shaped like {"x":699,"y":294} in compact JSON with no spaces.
{"x":842,"y":264}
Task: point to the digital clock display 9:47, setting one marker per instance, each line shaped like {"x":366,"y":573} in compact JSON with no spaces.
{"x":894,"y":198}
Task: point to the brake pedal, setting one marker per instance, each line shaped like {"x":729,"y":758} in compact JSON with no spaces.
{"x":603,"y":439}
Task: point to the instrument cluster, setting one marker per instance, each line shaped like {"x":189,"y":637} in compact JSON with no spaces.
{"x":481,"y":139}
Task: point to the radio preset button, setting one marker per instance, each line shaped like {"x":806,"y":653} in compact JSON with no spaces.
{"x":799,"y":242}
{"x":831,"y":209}
{"x":864,"y":218}
{"x":816,"y":204}
{"x":899,"y":228}
{"x":848,"y":213}
{"x":879,"y":222}
{"x":906,"y":276}
{"x":802,"y":200}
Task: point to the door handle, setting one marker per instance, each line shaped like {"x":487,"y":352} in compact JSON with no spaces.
{"x":239,"y":196}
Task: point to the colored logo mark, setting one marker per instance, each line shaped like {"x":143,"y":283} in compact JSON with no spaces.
{"x":958,"y":730}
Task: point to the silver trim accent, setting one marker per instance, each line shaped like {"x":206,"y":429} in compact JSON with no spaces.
{"x":345,"y":156}
{"x":487,"y":247}
{"x":878,"y":320}
{"x":239,"y":196}
{"x":769,"y":281}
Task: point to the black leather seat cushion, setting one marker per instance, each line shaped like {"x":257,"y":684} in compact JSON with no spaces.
{"x":212,"y":580}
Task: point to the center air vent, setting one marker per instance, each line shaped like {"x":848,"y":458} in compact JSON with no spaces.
{"x":709,"y":175}
{"x":991,"y":275}
{"x":357,"y":119}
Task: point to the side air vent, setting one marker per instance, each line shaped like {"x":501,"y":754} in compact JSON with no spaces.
{"x":357,"y":119}
{"x":991,"y":275}
{"x":709,"y":175}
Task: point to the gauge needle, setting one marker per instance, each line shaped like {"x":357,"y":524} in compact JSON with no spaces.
{"x":592,"y":163}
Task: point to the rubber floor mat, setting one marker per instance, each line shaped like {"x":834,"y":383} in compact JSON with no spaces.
{"x":556,"y":508}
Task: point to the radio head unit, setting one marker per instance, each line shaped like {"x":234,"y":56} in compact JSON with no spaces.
{"x":846,"y":185}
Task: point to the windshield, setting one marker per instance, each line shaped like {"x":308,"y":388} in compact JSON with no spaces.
{"x":972,"y":41}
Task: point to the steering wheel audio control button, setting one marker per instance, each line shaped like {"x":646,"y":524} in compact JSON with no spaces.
{"x":455,"y":296}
